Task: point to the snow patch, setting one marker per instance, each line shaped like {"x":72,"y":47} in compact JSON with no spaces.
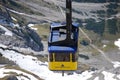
{"x":15,"y":25}
{"x":14,"y":19}
{"x":116,"y":64}
{"x":104,"y":46}
{"x":2,"y":73}
{"x":84,"y":76}
{"x":16,"y":11}
{"x":118,"y":76}
{"x":1,"y":45}
{"x":20,"y":77}
{"x":117,"y":43}
{"x":97,"y":78}
{"x":118,"y":15}
{"x":31,"y":26}
{"x":7,"y":32}
{"x":39,"y":68}
{"x":33,"y":65}
{"x":2,"y":65}
{"x":108,"y":76}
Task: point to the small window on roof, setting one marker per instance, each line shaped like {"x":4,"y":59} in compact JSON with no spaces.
{"x":63,"y":30}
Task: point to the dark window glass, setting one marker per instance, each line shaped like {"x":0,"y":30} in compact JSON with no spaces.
{"x":51,"y":57}
{"x":73,"y":57}
{"x":65,"y":57}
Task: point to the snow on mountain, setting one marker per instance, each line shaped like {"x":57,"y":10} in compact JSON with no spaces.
{"x":7,"y":32}
{"x":31,"y":26}
{"x":3,"y":70}
{"x":2,"y":73}
{"x":21,"y":34}
{"x":36,"y":67}
{"x":108,"y":75}
{"x":33,"y":65}
{"x":117,"y":43}
{"x":1,"y":45}
{"x":56,"y":8}
{"x":116,"y":64}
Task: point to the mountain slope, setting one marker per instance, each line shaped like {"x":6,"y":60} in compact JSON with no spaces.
{"x":13,"y":35}
{"x":21,"y":46}
{"x":40,"y":69}
{"x":96,"y":1}
{"x":101,"y":18}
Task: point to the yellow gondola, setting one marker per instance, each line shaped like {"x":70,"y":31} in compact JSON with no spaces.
{"x":63,"y":43}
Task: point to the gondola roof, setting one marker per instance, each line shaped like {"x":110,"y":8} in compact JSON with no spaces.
{"x":55,"y":25}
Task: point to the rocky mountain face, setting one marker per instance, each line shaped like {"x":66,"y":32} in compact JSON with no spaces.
{"x":14,"y":35}
{"x":100,"y":58}
{"x":98,"y":15}
{"x":97,"y":1}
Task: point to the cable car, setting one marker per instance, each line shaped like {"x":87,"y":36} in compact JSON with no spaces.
{"x":63,"y":43}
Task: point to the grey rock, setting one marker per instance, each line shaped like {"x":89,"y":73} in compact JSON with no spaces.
{"x":0,"y":54}
{"x":23,"y":36}
{"x":12,"y":78}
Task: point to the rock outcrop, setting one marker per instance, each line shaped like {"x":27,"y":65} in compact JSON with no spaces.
{"x":12,"y":78}
{"x":22,"y":36}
